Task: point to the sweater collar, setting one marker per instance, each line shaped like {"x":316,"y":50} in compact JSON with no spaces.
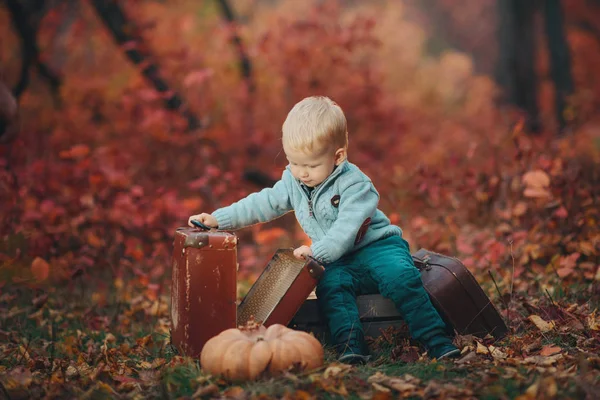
{"x":336,"y":171}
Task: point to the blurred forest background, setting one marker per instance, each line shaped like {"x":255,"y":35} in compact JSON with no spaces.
{"x":134,"y":115}
{"x":476,"y":119}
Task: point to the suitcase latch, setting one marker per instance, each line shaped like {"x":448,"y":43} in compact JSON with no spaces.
{"x":196,"y":241}
{"x":426,"y":260}
{"x":314,"y":269}
{"x":423,"y":263}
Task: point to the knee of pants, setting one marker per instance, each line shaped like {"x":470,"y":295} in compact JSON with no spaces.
{"x":333,"y":283}
{"x":406,"y":288}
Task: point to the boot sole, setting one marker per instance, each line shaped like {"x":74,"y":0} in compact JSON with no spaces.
{"x":354,"y":359}
{"x":451,"y":354}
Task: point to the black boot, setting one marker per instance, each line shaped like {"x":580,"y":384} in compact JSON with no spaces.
{"x":352,"y":348}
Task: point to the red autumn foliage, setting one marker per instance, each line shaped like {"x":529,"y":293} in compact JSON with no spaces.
{"x":105,"y":180}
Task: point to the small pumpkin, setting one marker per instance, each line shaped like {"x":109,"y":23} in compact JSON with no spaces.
{"x":247,"y":352}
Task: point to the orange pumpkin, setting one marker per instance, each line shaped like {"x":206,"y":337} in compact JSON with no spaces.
{"x":247,"y":352}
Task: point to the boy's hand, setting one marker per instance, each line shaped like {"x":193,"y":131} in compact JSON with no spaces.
{"x":302,"y":252}
{"x":205,"y":218}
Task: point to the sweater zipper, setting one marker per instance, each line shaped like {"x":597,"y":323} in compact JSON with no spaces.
{"x":310,"y":196}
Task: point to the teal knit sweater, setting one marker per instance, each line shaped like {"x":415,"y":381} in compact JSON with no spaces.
{"x":340,"y":215}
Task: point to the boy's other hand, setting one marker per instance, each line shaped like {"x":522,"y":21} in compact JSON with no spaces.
{"x":302,"y":252}
{"x":205,"y":218}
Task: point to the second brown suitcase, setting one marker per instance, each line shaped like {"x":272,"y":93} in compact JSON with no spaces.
{"x":457,"y":296}
{"x":452,"y":289}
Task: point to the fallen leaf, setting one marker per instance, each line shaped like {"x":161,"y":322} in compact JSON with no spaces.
{"x":336,"y":369}
{"x":543,"y":361}
{"x":235,"y":392}
{"x":519,"y":209}
{"x":550,"y":387}
{"x":40,"y":300}
{"x":536,"y":344}
{"x":561,"y":213}
{"x":18,"y":378}
{"x":497,"y":353}
{"x":71,"y":372}
{"x":536,"y":179}
{"x":297,"y":395}
{"x":542,"y":325}
{"x":592,"y":321}
{"x":436,"y":389}
{"x":481,"y":349}
{"x":40,"y":269}
{"x":471,"y":356}
{"x":587,"y":248}
{"x":536,"y":193}
{"x":94,"y":241}
{"x":569,"y":261}
{"x":410,"y":355}
{"x":406,"y":383}
{"x":76,"y":152}
{"x":563,"y":272}
{"x":549,"y":350}
{"x":533,"y":390}
{"x":381,"y":395}
{"x":380,"y":388}
{"x":203,"y":391}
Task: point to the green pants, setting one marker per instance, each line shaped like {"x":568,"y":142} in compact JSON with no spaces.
{"x":385,"y":267}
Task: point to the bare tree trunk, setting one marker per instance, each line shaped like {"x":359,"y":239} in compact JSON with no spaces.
{"x":516,"y":67}
{"x":560,"y":59}
{"x":516,"y":63}
{"x":244,"y":61}
{"x":123,"y":32}
{"x":251,"y":175}
{"x":26,"y":23}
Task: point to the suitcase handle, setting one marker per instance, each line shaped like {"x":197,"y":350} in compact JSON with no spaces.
{"x":200,"y":225}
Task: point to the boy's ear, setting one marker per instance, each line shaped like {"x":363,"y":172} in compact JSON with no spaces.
{"x":340,"y":155}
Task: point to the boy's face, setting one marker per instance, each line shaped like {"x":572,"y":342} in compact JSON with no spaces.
{"x":312,"y":168}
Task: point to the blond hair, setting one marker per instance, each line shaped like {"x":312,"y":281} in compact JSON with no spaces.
{"x":315,"y":123}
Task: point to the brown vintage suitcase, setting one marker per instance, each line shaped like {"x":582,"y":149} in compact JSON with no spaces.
{"x":453,"y":290}
{"x":204,"y":287}
{"x":280,"y":290}
{"x":457,"y":296}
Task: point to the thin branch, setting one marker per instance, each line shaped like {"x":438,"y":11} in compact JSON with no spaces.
{"x":499,"y":293}
{"x":512,"y":279}
{"x":4,"y":391}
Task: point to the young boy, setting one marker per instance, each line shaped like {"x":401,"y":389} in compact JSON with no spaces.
{"x":336,"y":205}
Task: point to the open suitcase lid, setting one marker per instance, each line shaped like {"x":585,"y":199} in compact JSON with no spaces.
{"x":273,"y":283}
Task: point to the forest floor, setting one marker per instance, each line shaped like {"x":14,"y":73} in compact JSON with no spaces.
{"x":64,"y":343}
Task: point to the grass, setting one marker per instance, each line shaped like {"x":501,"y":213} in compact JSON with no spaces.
{"x":71,"y":328}
{"x":179,"y":379}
